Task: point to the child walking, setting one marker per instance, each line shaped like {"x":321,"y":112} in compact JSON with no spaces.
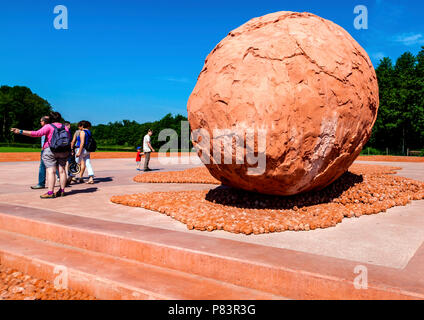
{"x":138,"y":159}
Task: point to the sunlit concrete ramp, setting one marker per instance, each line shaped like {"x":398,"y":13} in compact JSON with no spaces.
{"x":117,"y":252}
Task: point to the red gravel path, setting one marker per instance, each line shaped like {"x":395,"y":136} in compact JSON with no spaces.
{"x":35,"y":156}
{"x":391,"y":158}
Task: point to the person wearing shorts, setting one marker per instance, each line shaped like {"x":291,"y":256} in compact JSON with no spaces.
{"x":82,"y":156}
{"x":68,"y":172}
{"x":52,"y":160}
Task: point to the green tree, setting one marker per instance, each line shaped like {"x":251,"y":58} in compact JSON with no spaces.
{"x":21,"y":108}
{"x":131,"y":133}
{"x":419,"y":91}
{"x":405,"y":105}
{"x":400,"y":120}
{"x":382,"y":132}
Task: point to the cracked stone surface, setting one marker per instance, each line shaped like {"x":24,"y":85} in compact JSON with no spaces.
{"x":301,"y":81}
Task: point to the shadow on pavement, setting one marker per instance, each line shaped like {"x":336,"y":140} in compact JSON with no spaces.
{"x":251,"y":200}
{"x":88,"y":190}
{"x":105,"y":179}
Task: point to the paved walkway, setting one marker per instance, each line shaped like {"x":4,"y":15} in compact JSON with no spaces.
{"x":388,"y":239}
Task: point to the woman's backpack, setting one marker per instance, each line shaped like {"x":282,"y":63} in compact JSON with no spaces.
{"x":61,"y":139}
{"x":90,"y":144}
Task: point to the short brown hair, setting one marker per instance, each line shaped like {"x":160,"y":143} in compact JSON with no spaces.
{"x":45,"y":119}
{"x":55,"y":117}
{"x":85,"y":124}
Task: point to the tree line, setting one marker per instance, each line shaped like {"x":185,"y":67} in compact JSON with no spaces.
{"x":131,"y":133}
{"x":399,"y":125}
{"x":21,"y":108}
{"x":400,"y":121}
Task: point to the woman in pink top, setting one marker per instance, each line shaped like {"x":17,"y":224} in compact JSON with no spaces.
{"x":51,"y":159}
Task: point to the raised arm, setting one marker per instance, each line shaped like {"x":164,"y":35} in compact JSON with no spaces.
{"x":39,"y":133}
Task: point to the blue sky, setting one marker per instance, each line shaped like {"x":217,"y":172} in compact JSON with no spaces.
{"x":139,"y":59}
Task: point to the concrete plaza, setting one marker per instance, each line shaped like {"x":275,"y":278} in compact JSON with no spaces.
{"x":314,"y":264}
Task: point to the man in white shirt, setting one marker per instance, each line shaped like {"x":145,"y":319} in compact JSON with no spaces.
{"x":147,"y":149}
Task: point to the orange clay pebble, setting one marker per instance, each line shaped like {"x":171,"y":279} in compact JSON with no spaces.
{"x":363,"y":190}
